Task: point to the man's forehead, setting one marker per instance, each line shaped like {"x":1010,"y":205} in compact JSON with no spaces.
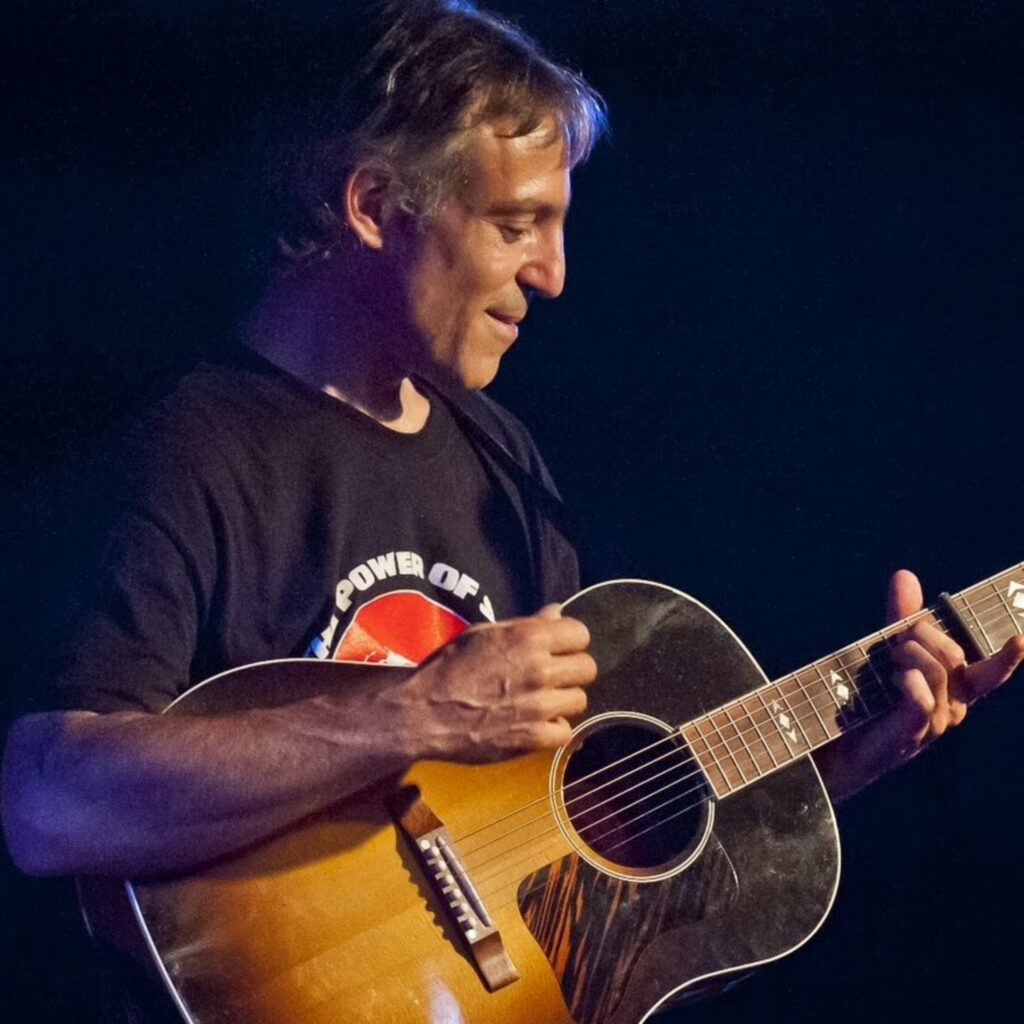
{"x":517,"y":171}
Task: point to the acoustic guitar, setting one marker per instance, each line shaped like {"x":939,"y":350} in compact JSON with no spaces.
{"x":681,"y":838}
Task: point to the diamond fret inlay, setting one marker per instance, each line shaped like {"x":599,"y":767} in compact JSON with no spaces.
{"x":1015,"y":595}
{"x":783,"y":721}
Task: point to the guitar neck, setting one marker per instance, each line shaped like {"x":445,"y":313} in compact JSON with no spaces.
{"x":751,"y":737}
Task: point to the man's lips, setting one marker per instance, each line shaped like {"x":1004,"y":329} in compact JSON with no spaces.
{"x":506,"y":318}
{"x":509,"y":322}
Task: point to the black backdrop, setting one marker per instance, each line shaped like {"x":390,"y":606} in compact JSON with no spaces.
{"x":787,"y":362}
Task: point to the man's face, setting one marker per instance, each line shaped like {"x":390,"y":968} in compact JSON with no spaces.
{"x":468,"y":276}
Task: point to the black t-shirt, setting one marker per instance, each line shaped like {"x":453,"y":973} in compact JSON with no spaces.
{"x":257,"y":517}
{"x":254,"y":517}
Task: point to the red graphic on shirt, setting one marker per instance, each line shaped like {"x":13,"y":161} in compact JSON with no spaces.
{"x":403,"y":628}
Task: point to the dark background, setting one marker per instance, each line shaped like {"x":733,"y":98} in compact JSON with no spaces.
{"x":786,"y":363}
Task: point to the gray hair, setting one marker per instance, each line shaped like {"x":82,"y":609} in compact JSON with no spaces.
{"x":438,"y":69}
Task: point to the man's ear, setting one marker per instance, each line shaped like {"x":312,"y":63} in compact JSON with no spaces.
{"x":367,"y":204}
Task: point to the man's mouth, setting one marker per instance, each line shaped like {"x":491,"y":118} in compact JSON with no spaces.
{"x":509,"y":322}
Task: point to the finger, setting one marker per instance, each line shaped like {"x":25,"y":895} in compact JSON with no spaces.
{"x":568,"y":702}
{"x":896,"y":736}
{"x":983,"y":677}
{"x":567,"y":636}
{"x":940,"y":645}
{"x":550,"y":735}
{"x":550,"y":612}
{"x":957,"y":711}
{"x":905,"y":596}
{"x":912,"y":657}
{"x":912,"y":720}
{"x":577,"y":669}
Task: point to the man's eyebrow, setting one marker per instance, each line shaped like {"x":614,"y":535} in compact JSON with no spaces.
{"x":519,"y":206}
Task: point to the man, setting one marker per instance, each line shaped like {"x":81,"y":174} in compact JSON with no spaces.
{"x":320,"y":494}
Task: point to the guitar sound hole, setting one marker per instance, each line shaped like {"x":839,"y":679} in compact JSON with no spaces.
{"x":634,"y":794}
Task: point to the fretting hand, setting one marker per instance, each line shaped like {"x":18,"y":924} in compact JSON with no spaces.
{"x":937,"y":686}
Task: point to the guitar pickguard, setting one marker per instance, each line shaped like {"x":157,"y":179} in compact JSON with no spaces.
{"x":594,"y":928}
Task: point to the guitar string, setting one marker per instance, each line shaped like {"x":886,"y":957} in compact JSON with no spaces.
{"x":556,"y":828}
{"x":495,"y":890}
{"x":560,"y":844}
{"x":686,"y":762}
{"x":898,"y":627}
{"x":673,"y":736}
{"x":556,"y":834}
{"x":739,"y":733}
{"x":703,"y":787}
{"x":700,"y":787}
{"x":712,"y":748}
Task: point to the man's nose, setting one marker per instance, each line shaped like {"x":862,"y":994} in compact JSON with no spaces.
{"x":544,"y":272}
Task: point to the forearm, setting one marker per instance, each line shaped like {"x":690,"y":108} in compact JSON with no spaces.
{"x":135,"y":794}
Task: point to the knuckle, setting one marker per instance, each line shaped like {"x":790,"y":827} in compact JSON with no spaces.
{"x":543,"y":706}
{"x":918,"y":632}
{"x":906,"y":652}
{"x":541,"y":736}
{"x":518,"y":633}
{"x":582,"y":633}
{"x":536,"y":673}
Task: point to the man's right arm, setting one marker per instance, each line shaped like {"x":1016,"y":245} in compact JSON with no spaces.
{"x":135,"y":794}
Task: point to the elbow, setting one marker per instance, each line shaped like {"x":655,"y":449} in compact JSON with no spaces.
{"x":28,"y":808}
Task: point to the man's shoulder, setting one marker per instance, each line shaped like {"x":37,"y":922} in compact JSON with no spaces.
{"x":227,"y":400}
{"x":233,"y":386}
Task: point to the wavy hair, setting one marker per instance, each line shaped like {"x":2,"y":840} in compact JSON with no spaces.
{"x":435,"y":70}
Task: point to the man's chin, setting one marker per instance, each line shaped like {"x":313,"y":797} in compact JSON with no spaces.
{"x":470,"y":376}
{"x":479,"y":373}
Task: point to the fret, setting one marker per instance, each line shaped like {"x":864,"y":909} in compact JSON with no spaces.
{"x":771,"y":727}
{"x":823,"y":703}
{"x":714,"y":770}
{"x":1012,"y":600}
{"x":734,"y":752}
{"x":981,"y":629}
{"x":789,"y":724}
{"x":1004,"y":598}
{"x":875,"y":699}
{"x":1015,"y":595}
{"x":751,"y":736}
{"x":997,"y":606}
{"x":860,"y":669}
{"x":804,"y":711}
{"x":841,"y":689}
{"x":751,"y":714}
{"x":781,"y":752}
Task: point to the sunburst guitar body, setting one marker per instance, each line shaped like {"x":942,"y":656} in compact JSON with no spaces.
{"x":597,"y":885}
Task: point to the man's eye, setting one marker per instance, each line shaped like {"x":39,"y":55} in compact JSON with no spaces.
{"x":510,"y":233}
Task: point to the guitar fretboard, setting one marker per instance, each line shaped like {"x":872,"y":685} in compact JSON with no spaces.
{"x":771,"y":727}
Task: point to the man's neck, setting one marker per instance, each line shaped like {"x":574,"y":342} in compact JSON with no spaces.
{"x":310,"y":327}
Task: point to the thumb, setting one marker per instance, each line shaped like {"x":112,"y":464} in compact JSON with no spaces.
{"x":550,"y":612}
{"x":904,"y":597}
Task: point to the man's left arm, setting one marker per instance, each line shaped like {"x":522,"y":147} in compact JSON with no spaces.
{"x":937,"y":685}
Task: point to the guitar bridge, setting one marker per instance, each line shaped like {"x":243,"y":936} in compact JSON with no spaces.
{"x":452,"y":885}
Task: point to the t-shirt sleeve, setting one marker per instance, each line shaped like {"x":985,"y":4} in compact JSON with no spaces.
{"x":133,"y":630}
